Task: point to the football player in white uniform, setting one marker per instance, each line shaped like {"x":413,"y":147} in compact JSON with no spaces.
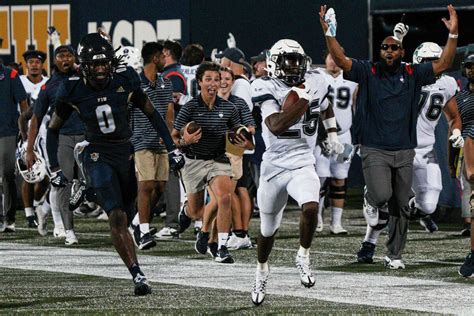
{"x":288,"y":162}
{"x":427,"y":183}
{"x":342,"y":94}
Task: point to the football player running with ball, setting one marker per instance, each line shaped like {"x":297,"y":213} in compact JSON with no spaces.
{"x":289,"y":132}
{"x":101,"y":95}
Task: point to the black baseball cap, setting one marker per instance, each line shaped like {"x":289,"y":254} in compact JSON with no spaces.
{"x":234,"y":54}
{"x":64,"y":48}
{"x":468,"y":60}
{"x":260,"y":57}
{"x":34,"y":54}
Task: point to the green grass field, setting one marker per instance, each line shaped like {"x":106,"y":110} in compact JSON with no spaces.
{"x":429,"y":257}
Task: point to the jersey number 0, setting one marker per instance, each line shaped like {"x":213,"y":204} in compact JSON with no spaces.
{"x":105,"y":118}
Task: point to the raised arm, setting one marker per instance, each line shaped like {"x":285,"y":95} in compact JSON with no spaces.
{"x":332,"y":44}
{"x":449,"y":51}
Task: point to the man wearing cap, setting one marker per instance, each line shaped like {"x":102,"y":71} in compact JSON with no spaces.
{"x":32,"y":83}
{"x":12,"y":93}
{"x":259,"y":63}
{"x":70,"y":134}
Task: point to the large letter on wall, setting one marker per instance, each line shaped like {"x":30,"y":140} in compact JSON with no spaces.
{"x":60,"y":19}
{"x":20,"y":30}
{"x":40,"y":22}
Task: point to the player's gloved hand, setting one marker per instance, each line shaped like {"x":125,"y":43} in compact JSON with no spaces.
{"x":456,"y":139}
{"x":336,"y":147}
{"x":347,"y":154}
{"x":58,"y":179}
{"x":176,"y":160}
{"x":330,"y":18}
{"x":325,"y":147}
{"x":400,"y":30}
{"x":213,"y":55}
{"x":231,"y":43}
{"x":303,"y":93}
{"x":54,"y":36}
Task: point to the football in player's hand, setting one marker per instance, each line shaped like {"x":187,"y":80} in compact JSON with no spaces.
{"x":290,"y":100}
{"x":239,"y":130}
{"x":191,"y":127}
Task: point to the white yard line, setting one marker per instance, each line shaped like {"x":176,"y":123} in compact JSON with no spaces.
{"x":338,"y":287}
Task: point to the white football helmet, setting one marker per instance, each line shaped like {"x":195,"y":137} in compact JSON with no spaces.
{"x":37,"y":171}
{"x":427,"y":51}
{"x":131,"y":56}
{"x":287,"y":61}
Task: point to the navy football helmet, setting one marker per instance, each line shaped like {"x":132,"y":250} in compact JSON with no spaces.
{"x":97,"y":58}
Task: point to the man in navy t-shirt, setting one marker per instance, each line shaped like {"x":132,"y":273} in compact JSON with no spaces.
{"x":385,"y":127}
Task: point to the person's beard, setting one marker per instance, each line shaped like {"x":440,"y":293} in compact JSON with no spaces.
{"x":393,"y":67}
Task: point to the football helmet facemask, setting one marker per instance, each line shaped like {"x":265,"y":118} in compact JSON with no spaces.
{"x":287,"y":61}
{"x":37,"y":171}
{"x":427,"y":51}
{"x":131,"y":56}
{"x":97,"y":58}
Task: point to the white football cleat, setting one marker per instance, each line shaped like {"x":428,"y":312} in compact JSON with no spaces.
{"x":71,"y":238}
{"x":337,"y":230}
{"x":59,"y":232}
{"x":259,"y":287}
{"x":303,"y":266}
{"x":393,"y":264}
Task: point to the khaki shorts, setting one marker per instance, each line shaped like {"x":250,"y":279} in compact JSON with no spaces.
{"x":236,"y":163}
{"x":197,"y":173}
{"x":151,"y":165}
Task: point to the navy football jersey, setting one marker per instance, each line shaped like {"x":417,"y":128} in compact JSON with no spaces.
{"x":104,"y":112}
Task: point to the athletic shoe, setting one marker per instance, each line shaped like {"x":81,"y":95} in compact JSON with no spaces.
{"x":303,"y":267}
{"x":42,"y":222}
{"x":183,"y":219}
{"x":141,"y":285}
{"x":212,"y":249}
{"x":71,"y":238}
{"x":59,"y":232}
{"x":135,"y":233}
{"x":319,"y":227}
{"x":393,"y":264}
{"x":78,"y":190}
{"x":467,"y":268}
{"x":337,"y":230}
{"x":466,"y":231}
{"x":202,"y":240}
{"x":9,"y":228}
{"x":32,"y":221}
{"x":223,"y":255}
{"x":146,"y":242}
{"x":429,"y":224}
{"x":167,"y":233}
{"x":234,"y":242}
{"x":366,"y":252}
{"x":259,"y":287}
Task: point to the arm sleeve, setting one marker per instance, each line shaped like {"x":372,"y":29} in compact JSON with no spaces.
{"x":358,"y":70}
{"x":18,"y":91}
{"x":424,"y":73}
{"x":268,"y":108}
{"x":235,"y":117}
{"x":52,"y":142}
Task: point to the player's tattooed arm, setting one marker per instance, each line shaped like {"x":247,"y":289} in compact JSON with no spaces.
{"x":141,"y":101}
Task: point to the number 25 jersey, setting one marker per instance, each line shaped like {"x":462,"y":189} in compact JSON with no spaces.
{"x":292,"y":149}
{"x":104,"y":112}
{"x":432,"y":101}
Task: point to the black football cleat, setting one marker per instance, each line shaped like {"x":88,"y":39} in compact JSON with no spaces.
{"x":141,"y":285}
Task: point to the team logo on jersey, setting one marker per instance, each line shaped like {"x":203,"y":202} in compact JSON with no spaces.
{"x":221,"y":115}
{"x":95,"y":156}
{"x":120,"y":89}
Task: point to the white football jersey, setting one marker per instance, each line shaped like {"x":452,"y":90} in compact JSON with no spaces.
{"x":294,"y":148}
{"x":433,"y":99}
{"x":189,"y":73}
{"x":341,"y":96}
{"x":32,"y":89}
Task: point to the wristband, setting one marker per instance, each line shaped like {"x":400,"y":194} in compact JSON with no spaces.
{"x":330,"y":123}
{"x":453,"y":35}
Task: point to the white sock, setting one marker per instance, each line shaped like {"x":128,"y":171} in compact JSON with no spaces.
{"x":198,"y":224}
{"x":222,"y":239}
{"x":136,"y":220}
{"x":262,"y":267}
{"x":372,"y":235}
{"x":144,"y":228}
{"x":58,"y":221}
{"x":304,"y":252}
{"x":29,"y":211}
{"x":336,"y":215}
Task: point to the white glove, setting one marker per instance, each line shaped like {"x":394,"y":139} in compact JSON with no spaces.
{"x":347,"y":154}
{"x":303,"y":93}
{"x":330,"y":18}
{"x":334,"y":144}
{"x":456,"y":139}
{"x":213,"y":55}
{"x":400,"y":30}
{"x":53,"y":35}
{"x":231,"y":41}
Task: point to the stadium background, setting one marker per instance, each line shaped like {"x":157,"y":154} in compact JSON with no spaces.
{"x":255,"y":24}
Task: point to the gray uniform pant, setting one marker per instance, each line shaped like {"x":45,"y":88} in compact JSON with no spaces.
{"x":67,"y":163}
{"x":172,"y":199}
{"x":7,"y":177}
{"x":388,"y":177}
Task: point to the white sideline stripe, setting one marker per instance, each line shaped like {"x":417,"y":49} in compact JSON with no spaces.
{"x":339,"y":287}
